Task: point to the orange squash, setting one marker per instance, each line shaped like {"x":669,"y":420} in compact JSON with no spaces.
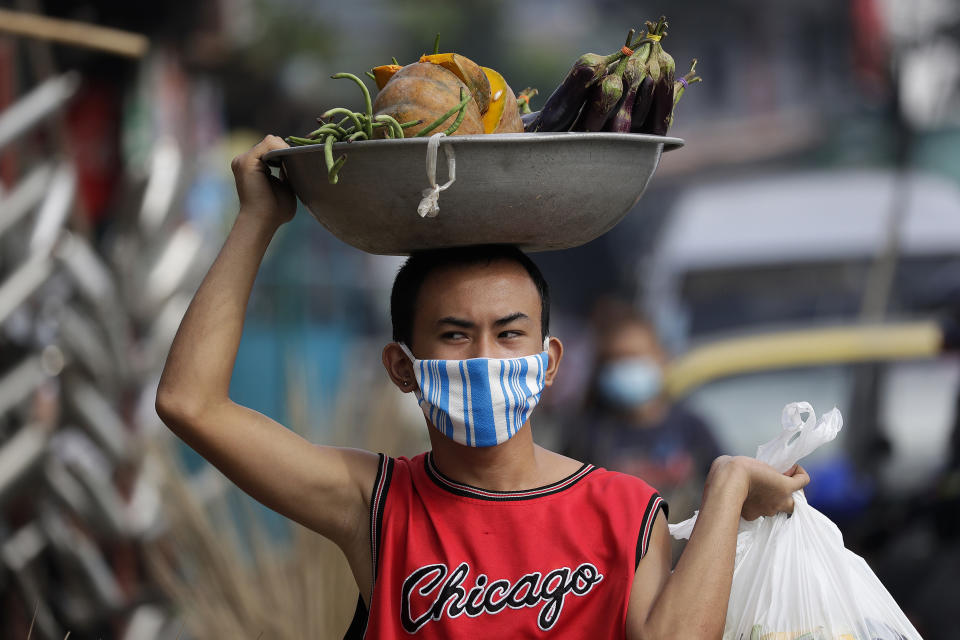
{"x":469,"y":73}
{"x":425,"y":91}
{"x":382,"y":74}
{"x":503,"y":116}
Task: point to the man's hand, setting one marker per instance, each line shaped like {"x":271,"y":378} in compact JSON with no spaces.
{"x":766,"y":491}
{"x":261,"y":194}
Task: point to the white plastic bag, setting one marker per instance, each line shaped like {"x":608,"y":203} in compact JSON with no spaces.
{"x":792,"y":578}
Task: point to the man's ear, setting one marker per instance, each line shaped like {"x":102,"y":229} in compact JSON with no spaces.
{"x":555,"y":353}
{"x":399,"y":367}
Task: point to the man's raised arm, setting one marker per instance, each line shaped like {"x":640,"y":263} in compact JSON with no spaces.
{"x":324,"y":488}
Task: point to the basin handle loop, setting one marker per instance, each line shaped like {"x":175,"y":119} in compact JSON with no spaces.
{"x":429,"y":206}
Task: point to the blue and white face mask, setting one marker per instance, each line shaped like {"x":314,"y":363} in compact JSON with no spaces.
{"x":480,"y":402}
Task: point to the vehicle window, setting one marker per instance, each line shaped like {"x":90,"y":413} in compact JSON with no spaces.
{"x":729,"y":299}
{"x":744,"y":411}
{"x":721,"y":300}
{"x":917,"y":405}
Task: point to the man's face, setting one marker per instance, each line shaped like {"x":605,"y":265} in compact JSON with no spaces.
{"x":477,"y":311}
{"x":631,"y":340}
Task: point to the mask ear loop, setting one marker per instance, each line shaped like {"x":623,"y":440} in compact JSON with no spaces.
{"x":413,"y":363}
{"x":408,"y":353}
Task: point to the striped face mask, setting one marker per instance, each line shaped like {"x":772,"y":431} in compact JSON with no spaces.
{"x":480,"y":402}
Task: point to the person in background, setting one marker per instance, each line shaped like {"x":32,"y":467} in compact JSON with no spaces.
{"x":631,"y":425}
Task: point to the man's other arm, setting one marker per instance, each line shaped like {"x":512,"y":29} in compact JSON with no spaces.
{"x":692,"y":601}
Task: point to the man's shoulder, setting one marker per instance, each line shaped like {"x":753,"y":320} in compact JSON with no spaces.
{"x":408,"y":461}
{"x":616,"y":480}
{"x":603,"y":481}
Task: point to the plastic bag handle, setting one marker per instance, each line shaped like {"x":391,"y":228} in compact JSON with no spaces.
{"x":799,"y":436}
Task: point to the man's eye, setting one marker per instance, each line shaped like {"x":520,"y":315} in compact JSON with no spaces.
{"x":454,"y":335}
{"x":511,"y":334}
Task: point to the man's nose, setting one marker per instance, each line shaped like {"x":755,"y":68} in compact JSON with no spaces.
{"x":484,"y":346}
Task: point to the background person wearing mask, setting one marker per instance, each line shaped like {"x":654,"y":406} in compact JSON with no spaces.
{"x":630,"y":425}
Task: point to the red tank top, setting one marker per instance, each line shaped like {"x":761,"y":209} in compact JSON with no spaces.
{"x":455,"y":561}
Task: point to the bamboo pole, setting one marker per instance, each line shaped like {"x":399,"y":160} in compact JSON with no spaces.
{"x":71,"y":32}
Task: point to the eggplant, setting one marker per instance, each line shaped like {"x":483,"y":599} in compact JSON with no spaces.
{"x":561,"y":108}
{"x":641,"y":105}
{"x":632,"y":77}
{"x":620,"y":122}
{"x":602,"y":101}
{"x":657,"y":121}
{"x":531,"y":121}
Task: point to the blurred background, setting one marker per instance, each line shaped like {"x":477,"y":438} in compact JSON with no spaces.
{"x":804,"y":245}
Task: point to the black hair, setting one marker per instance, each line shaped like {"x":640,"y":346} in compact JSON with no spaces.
{"x":413,"y":273}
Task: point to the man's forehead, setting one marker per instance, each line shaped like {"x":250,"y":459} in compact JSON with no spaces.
{"x":630,"y":338}
{"x":500,"y":286}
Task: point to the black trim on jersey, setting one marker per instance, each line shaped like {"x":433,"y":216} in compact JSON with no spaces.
{"x":655,"y":504}
{"x":381,"y":484}
{"x":468,"y":491}
{"x":358,"y":626}
{"x":376,"y":511}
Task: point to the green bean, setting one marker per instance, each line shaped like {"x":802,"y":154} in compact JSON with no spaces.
{"x":395,"y":61}
{"x":459,"y":120}
{"x":328,"y":128}
{"x":300,"y":142}
{"x":403,"y":125}
{"x":366,"y":99}
{"x":354,"y":117}
{"x":333,"y":174}
{"x":328,"y":157}
{"x":333,"y":167}
{"x":342,"y":124}
{"x":387,"y":129}
{"x":436,"y":123}
{"x":359,"y":135}
{"x":371,"y":76}
{"x":397,"y":130}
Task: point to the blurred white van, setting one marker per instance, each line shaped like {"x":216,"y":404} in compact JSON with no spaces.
{"x":792,"y":248}
{"x":780,"y":253}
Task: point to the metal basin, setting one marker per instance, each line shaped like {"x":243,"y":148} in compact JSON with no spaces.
{"x":540,"y":191}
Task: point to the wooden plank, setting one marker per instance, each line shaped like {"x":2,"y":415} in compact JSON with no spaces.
{"x":71,"y":32}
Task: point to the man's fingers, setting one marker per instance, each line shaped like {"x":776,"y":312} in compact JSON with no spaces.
{"x":269,"y":143}
{"x":251,"y":159}
{"x":789,"y":506}
{"x":801,"y":476}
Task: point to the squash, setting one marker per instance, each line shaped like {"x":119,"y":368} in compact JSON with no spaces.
{"x":425,"y":91}
{"x":503,"y":116}
{"x":469,"y":73}
{"x":382,"y":74}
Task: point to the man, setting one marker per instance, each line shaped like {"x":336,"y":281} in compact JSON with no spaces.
{"x":452,"y":544}
{"x":635,"y":428}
